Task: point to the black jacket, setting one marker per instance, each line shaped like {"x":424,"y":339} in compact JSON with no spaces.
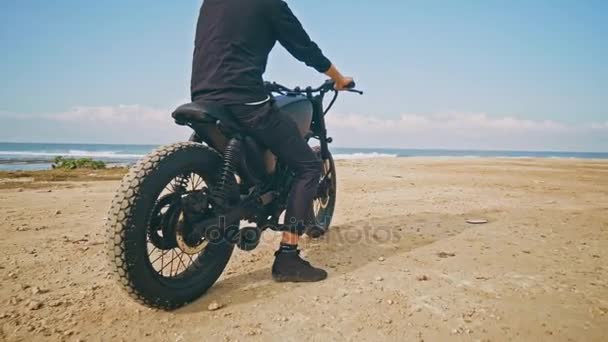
{"x":233,"y":40}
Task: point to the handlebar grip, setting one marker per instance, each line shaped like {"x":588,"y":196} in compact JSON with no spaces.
{"x":351,"y":85}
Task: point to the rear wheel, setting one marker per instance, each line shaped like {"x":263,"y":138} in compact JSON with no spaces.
{"x":324,"y":203}
{"x":148,"y":227}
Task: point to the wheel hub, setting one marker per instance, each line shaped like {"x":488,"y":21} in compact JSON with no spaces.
{"x":181,"y":234}
{"x":170,"y":223}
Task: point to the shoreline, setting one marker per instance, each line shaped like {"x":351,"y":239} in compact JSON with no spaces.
{"x":5,"y":165}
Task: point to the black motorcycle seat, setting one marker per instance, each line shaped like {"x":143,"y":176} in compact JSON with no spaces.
{"x":204,"y":113}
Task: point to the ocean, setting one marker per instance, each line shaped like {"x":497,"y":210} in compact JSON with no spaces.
{"x":39,"y":156}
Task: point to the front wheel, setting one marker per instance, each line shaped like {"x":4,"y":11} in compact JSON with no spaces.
{"x":324,"y":203}
{"x":147,"y":227}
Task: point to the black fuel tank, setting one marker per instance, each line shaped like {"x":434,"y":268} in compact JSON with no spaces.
{"x":299,"y":108}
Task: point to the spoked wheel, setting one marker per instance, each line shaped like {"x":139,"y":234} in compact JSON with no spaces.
{"x":325,"y":202}
{"x":169,"y":251}
{"x":149,"y":224}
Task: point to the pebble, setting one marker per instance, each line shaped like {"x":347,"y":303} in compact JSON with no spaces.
{"x":34,"y":305}
{"x":36,"y":290}
{"x":477,"y":221}
{"x":381,"y":259}
{"x":390,"y":302}
{"x":56,"y":303}
{"x":379,"y":278}
{"x":254,"y":332}
{"x":214,"y":306}
{"x":423,"y":277}
{"x":58,"y":212}
{"x":444,"y":255}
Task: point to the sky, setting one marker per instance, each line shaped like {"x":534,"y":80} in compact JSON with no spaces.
{"x":467,"y":74}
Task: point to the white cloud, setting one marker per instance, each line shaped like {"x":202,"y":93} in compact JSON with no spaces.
{"x":600,"y":125}
{"x":464,"y":131}
{"x":144,"y":124}
{"x":409,"y":122}
{"x":113,"y":114}
{"x":121,"y":124}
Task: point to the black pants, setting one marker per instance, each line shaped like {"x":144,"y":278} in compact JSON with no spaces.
{"x":281,"y":135}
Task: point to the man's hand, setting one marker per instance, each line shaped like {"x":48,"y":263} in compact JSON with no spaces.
{"x":341,"y":82}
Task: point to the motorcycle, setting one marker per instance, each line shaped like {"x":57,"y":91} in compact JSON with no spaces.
{"x":175,"y":219}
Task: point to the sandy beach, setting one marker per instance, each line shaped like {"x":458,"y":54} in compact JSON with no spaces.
{"x":404,"y":263}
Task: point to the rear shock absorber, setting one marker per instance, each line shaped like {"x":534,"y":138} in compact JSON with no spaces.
{"x":227,"y":184}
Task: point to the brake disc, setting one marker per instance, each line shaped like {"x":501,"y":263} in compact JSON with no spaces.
{"x":181,"y":234}
{"x":195,"y":207}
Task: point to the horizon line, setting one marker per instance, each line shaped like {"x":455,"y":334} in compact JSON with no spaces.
{"x":344,"y":147}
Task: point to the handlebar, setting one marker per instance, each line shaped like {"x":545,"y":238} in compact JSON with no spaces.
{"x":328,"y":86}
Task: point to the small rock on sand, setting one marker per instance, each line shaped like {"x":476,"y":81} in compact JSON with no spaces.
{"x":214,"y":306}
{"x":36,"y":290}
{"x":379,"y":278}
{"x":56,"y":303}
{"x":34,"y":305}
{"x":477,"y":221}
{"x":444,"y":255}
{"x":423,"y":277}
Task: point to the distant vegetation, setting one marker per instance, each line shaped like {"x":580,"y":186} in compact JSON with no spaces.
{"x":62,"y":163}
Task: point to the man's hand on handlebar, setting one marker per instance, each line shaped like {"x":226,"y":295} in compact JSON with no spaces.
{"x":345,"y":83}
{"x":328,"y":86}
{"x":340,"y":82}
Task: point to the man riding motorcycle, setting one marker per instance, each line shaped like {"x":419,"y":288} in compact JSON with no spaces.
{"x":233,"y":41}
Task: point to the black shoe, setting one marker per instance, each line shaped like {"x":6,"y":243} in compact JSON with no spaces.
{"x":315,"y":231}
{"x":290,"y":267}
